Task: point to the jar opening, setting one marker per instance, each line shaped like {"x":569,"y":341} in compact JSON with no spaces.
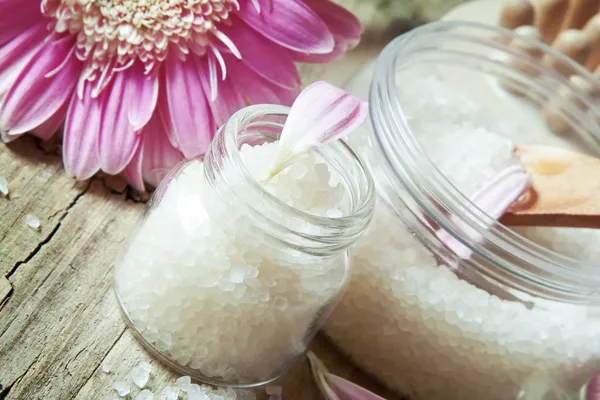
{"x":256,"y":125}
{"x":423,"y":196}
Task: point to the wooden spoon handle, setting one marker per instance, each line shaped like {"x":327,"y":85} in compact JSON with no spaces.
{"x":565,"y":190}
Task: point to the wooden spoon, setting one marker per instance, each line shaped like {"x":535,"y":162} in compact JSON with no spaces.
{"x":565,"y":189}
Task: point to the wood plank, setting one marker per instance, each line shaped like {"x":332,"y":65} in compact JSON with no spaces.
{"x":62,"y":318}
{"x":38,"y":186}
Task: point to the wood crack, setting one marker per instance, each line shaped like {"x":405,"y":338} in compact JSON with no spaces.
{"x":4,"y":391}
{"x":51,"y":234}
{"x":102,"y":360}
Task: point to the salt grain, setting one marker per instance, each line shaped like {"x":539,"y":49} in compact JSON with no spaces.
{"x":3,"y":186}
{"x":245,"y":394}
{"x":141,"y":374}
{"x":213,"y":295}
{"x":33,"y":222}
{"x":274,"y":390}
{"x":170,"y":393}
{"x":183,"y":383}
{"x":105,"y":368}
{"x":145,"y":395}
{"x":122,"y":388}
{"x":423,"y":330}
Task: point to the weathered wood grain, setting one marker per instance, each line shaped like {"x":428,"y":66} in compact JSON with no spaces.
{"x":59,"y":318}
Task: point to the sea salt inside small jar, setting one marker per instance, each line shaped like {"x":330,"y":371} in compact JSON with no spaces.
{"x":231,"y":273}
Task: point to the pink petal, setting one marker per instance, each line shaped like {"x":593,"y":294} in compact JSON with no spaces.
{"x":118,"y":139}
{"x":346,"y":390}
{"x":265,"y":58}
{"x":133,"y":171}
{"x":188,"y":108}
{"x":159,"y":156}
{"x":49,"y":127}
{"x":321,"y":114}
{"x":228,"y":100}
{"x":34,"y":97}
{"x":593,"y":388}
{"x":291,"y":24}
{"x":15,"y":55}
{"x":18,"y":16}
{"x":343,"y":25}
{"x":143,"y":102}
{"x":494,"y":199}
{"x":82,"y":128}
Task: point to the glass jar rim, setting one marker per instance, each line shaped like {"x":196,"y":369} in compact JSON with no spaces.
{"x":559,"y":274}
{"x":347,"y":228}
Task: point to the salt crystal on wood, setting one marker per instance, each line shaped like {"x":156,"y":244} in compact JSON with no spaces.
{"x":33,"y":222}
{"x":145,"y":395}
{"x":105,"y":368}
{"x":3,"y":186}
{"x":122,"y":388}
{"x":141,"y":374}
{"x":183,"y":383}
{"x":170,"y":393}
{"x":274,"y":390}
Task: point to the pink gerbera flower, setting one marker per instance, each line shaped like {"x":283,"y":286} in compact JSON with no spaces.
{"x":140,"y":84}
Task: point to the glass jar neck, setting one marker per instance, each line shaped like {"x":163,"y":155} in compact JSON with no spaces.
{"x":226,"y":172}
{"x":419,"y":193}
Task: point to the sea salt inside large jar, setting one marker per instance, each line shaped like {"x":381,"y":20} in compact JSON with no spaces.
{"x":444,"y":302}
{"x":230,"y":274}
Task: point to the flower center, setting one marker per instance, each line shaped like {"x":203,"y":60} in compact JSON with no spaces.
{"x":114,"y":33}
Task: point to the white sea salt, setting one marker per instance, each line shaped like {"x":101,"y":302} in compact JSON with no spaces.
{"x":105,"y":368}
{"x":145,"y":395}
{"x":420,"y":328}
{"x":170,"y":393}
{"x":183,"y":383}
{"x":122,"y":388}
{"x":245,"y":394}
{"x":140,"y":374}
{"x":33,"y":222}
{"x":213,"y":294}
{"x":3,"y":186}
{"x":274,"y":390}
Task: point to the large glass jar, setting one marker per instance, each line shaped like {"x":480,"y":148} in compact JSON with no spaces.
{"x":445,"y":302}
{"x":224,"y":280}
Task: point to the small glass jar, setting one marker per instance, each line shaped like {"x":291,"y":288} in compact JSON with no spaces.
{"x":225,"y":282}
{"x":514,"y":319}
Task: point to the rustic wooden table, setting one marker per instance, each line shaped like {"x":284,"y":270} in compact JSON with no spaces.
{"x":59,"y":320}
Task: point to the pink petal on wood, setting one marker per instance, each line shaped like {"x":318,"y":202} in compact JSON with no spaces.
{"x":346,"y":390}
{"x":82,"y":129}
{"x":228,"y":100}
{"x":34,"y":97}
{"x":133,"y":171}
{"x":118,"y":139}
{"x":188,"y":107}
{"x":49,"y":127}
{"x":593,"y":388}
{"x":291,"y":24}
{"x":494,"y":199}
{"x":343,"y":25}
{"x":264,"y":57}
{"x":159,"y":156}
{"x":144,"y":97}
